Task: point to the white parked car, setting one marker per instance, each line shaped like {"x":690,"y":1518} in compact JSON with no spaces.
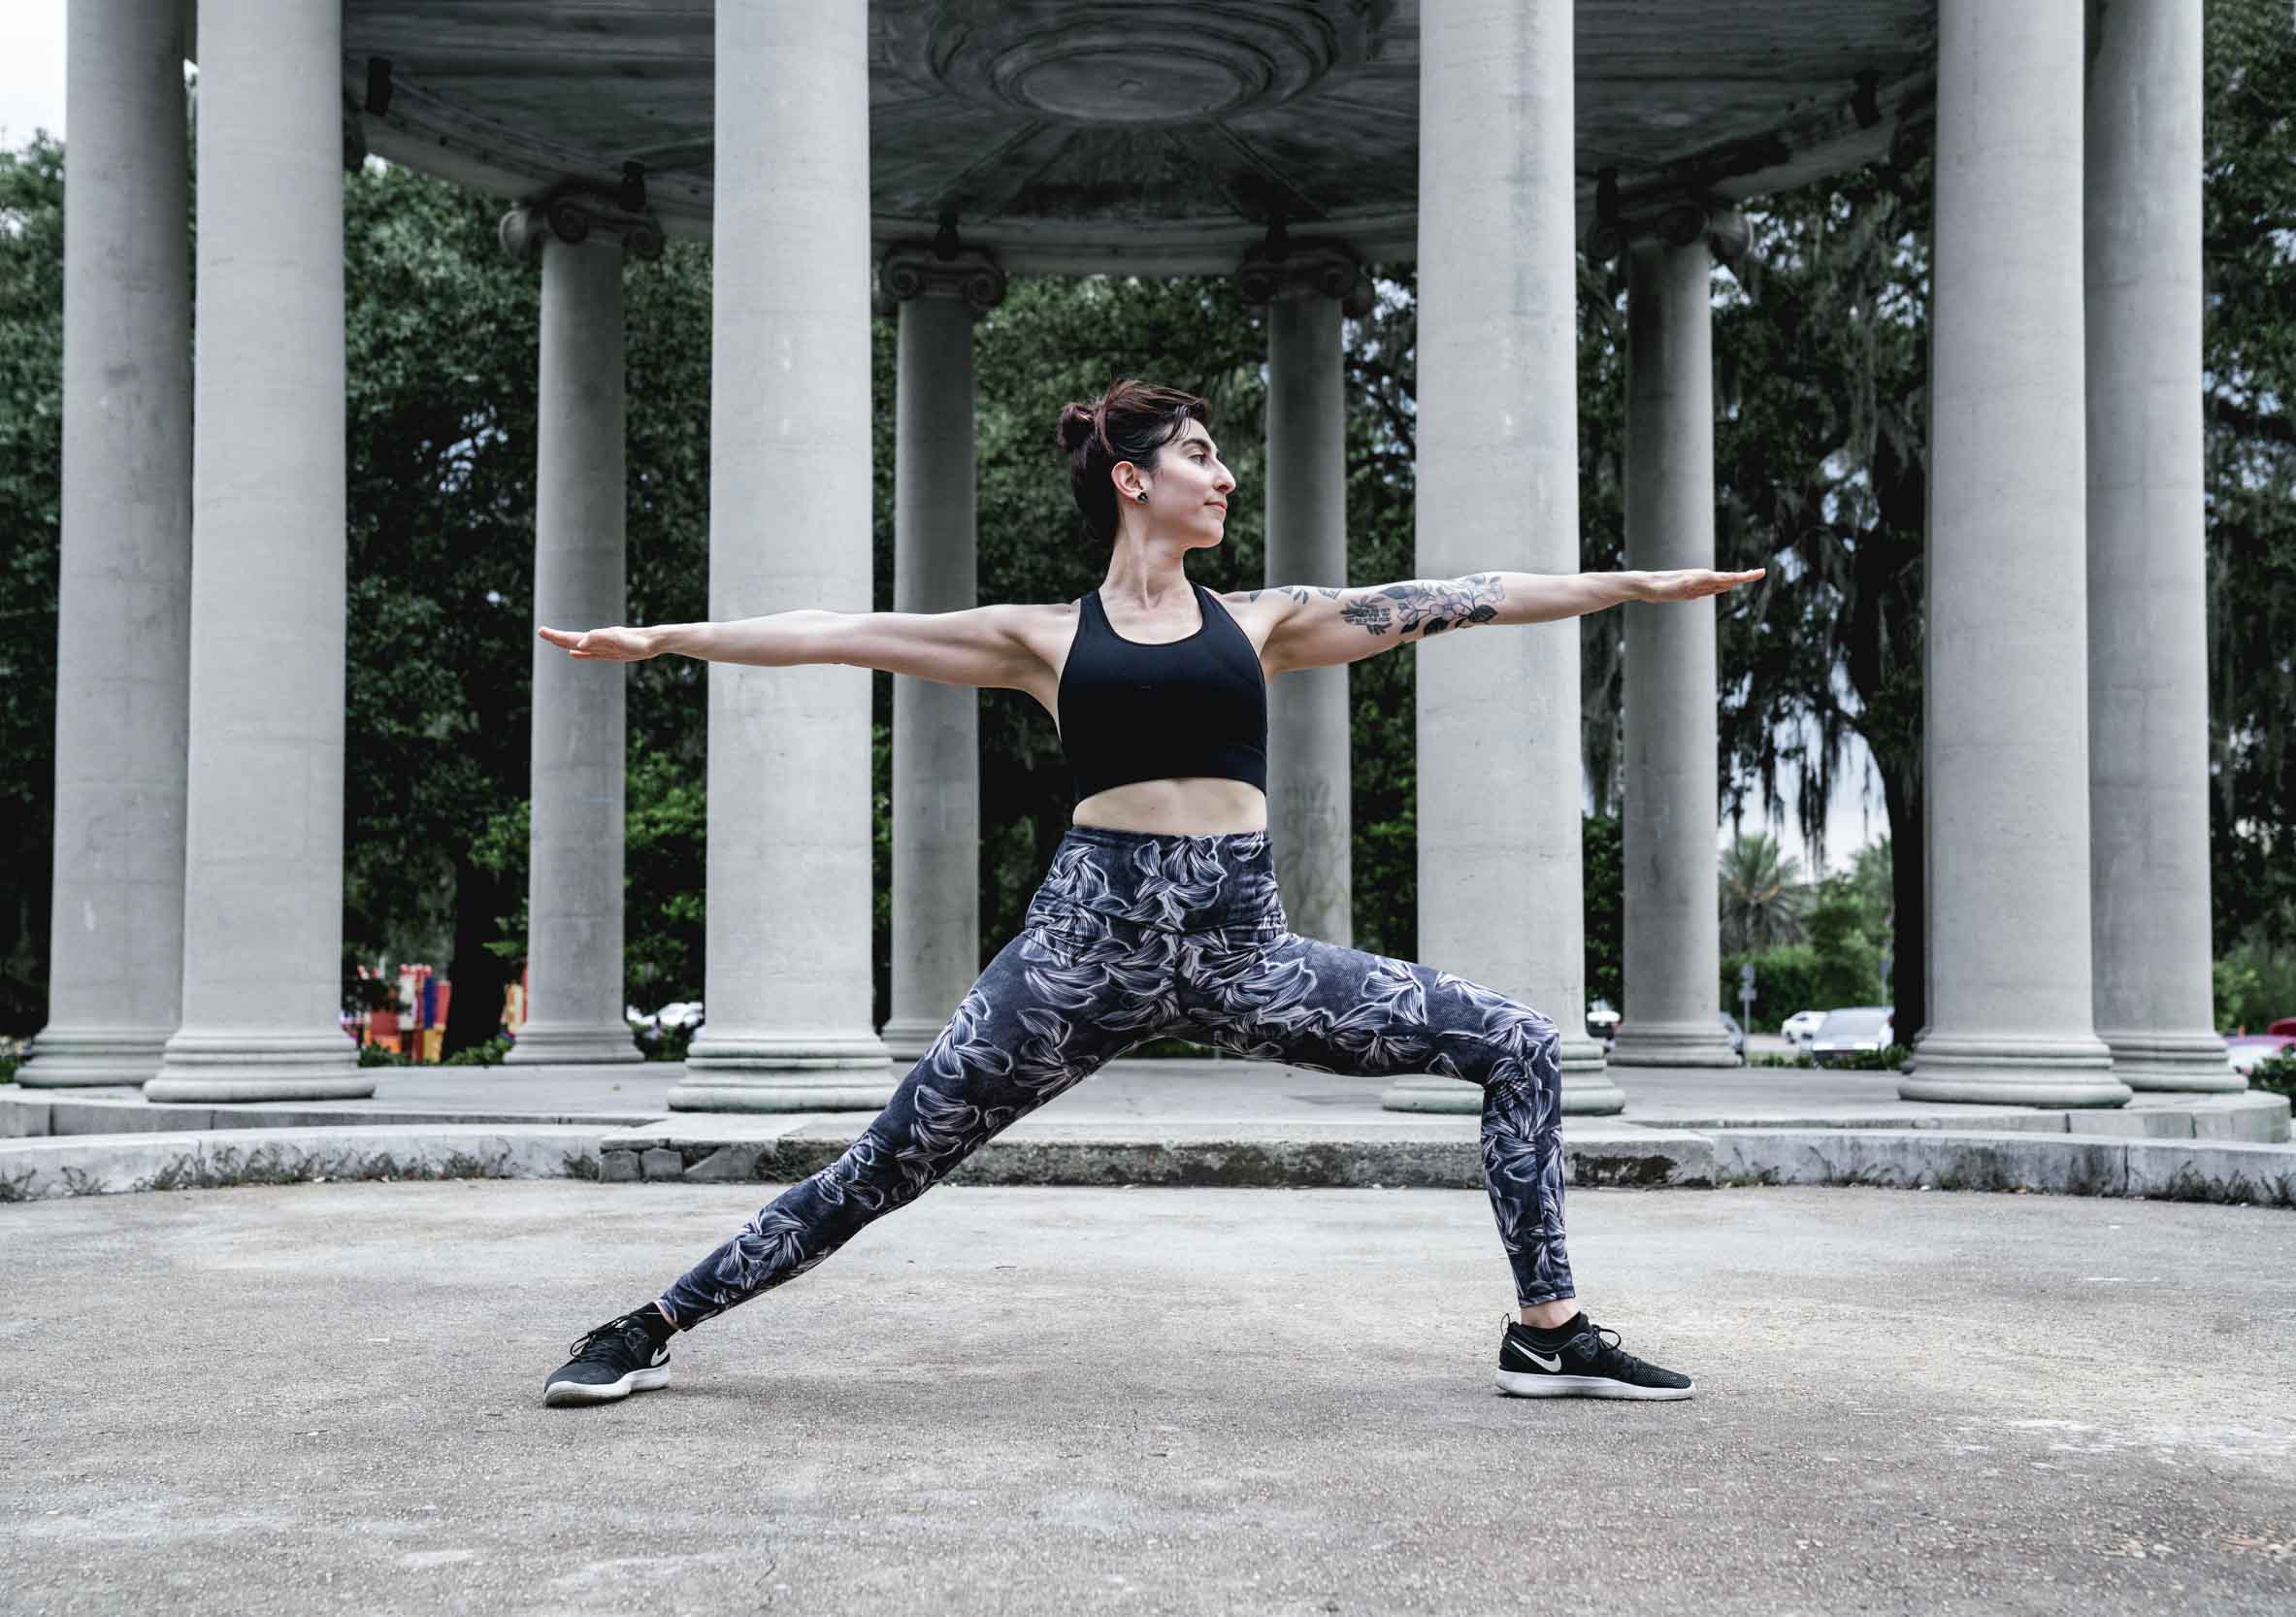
{"x":679,"y":1014}
{"x":2246,"y":1050}
{"x":1602,"y":1024}
{"x":1854,"y":1029}
{"x":1802,"y":1027}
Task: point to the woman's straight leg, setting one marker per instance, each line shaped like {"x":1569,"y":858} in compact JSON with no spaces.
{"x":1273,"y":995}
{"x":1049,"y":1011}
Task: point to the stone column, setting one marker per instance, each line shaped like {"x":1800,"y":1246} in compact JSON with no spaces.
{"x":573,"y":894}
{"x":1673,"y":920}
{"x":2006,"y":755}
{"x":116,"y":961}
{"x":263,"y":866}
{"x":788,"y":985}
{"x":1309,"y":744}
{"x":935,"y":727}
{"x":2148,"y":649}
{"x":1501,"y":888}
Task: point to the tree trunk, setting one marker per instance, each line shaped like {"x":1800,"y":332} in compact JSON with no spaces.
{"x":1901,"y":795}
{"x":475,"y":1010}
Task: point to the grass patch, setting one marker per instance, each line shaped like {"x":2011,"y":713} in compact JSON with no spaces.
{"x":268,"y":1165}
{"x":2187,"y":1184}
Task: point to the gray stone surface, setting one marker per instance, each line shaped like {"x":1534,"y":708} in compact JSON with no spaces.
{"x":787,"y":974}
{"x":1500,"y":891}
{"x":2011,"y":1017}
{"x":573,"y":903}
{"x":115,"y":960}
{"x":1309,"y":775}
{"x":2148,"y":616}
{"x":935,"y":727}
{"x":1067,"y":1401}
{"x":1161,"y":1093}
{"x":263,"y":827}
{"x":1672,"y":912}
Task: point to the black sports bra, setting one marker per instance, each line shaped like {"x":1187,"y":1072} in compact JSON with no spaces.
{"x":1129,"y":711}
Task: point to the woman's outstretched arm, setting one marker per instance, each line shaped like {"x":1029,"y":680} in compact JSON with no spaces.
{"x":1323,"y":626}
{"x":778,"y":640}
{"x":980,"y":646}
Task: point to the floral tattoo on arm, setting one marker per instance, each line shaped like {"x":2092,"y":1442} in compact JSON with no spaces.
{"x":1428,"y":604}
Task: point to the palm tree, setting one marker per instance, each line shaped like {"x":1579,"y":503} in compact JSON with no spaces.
{"x":1762,"y":895}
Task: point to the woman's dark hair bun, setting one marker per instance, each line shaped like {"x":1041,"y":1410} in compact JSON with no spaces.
{"x":1077,"y":427}
{"x":1132,"y":421}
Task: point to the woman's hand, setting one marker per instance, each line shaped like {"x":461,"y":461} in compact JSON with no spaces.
{"x":1694,"y":583}
{"x":604,"y":646}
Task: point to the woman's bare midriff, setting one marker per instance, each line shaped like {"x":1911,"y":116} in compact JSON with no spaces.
{"x":1186,"y":806}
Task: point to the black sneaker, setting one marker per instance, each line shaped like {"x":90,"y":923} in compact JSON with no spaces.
{"x":610,"y":1361}
{"x":1588,"y":1365}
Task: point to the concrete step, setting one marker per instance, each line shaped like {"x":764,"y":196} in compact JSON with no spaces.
{"x":95,"y":1165}
{"x":1441,"y":1152}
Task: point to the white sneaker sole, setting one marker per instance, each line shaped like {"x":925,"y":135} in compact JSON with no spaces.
{"x":607,"y":1391}
{"x":1528,"y":1384}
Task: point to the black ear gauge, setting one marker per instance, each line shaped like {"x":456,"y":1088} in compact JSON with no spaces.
{"x":1142,"y":496}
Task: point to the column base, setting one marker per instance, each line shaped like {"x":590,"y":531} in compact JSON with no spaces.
{"x":1587,"y":1092}
{"x":78,"y":1057}
{"x":2005,"y":1070}
{"x":2183,"y":1062}
{"x":565,"y":1045}
{"x":759,"y":1072}
{"x":907,"y":1039}
{"x":1673,"y":1044}
{"x":251,"y":1065}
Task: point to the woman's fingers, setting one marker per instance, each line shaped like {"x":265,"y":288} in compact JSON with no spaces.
{"x":1695,"y":583}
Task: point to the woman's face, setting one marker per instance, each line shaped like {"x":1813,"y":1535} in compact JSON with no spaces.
{"x":1190,"y":488}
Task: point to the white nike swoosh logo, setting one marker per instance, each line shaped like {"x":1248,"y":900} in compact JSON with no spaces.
{"x":1537,"y":1358}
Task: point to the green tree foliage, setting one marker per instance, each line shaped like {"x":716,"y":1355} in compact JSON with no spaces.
{"x":442,"y":360}
{"x":1842,"y":958}
{"x":2250,"y":392}
{"x":1821,"y":461}
{"x":1761,"y":894}
{"x":1604,"y":861}
{"x":1784,"y":981}
{"x":31,"y":456}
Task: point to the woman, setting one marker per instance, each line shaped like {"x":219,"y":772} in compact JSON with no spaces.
{"x":1160,"y":914}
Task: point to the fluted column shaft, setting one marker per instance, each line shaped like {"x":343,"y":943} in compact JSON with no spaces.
{"x":263,"y":877}
{"x":115,"y":960}
{"x":1500,"y":887}
{"x":2007,"y":759}
{"x":935,"y":727}
{"x":1307,"y":724}
{"x":1673,"y":938}
{"x":574,"y":896}
{"x":788,"y":984}
{"x":2148,"y":661}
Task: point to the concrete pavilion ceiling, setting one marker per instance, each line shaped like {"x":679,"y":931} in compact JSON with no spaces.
{"x":1073,"y":136}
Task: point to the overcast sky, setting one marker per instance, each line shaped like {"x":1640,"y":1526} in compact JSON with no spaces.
{"x":32,"y":82}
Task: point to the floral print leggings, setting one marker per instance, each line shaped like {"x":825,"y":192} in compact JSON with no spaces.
{"x":1136,"y":937}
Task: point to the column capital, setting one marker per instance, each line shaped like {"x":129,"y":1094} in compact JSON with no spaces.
{"x":572,"y":213}
{"x":1282,"y":268}
{"x":942,"y":269}
{"x":1676,"y":222}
